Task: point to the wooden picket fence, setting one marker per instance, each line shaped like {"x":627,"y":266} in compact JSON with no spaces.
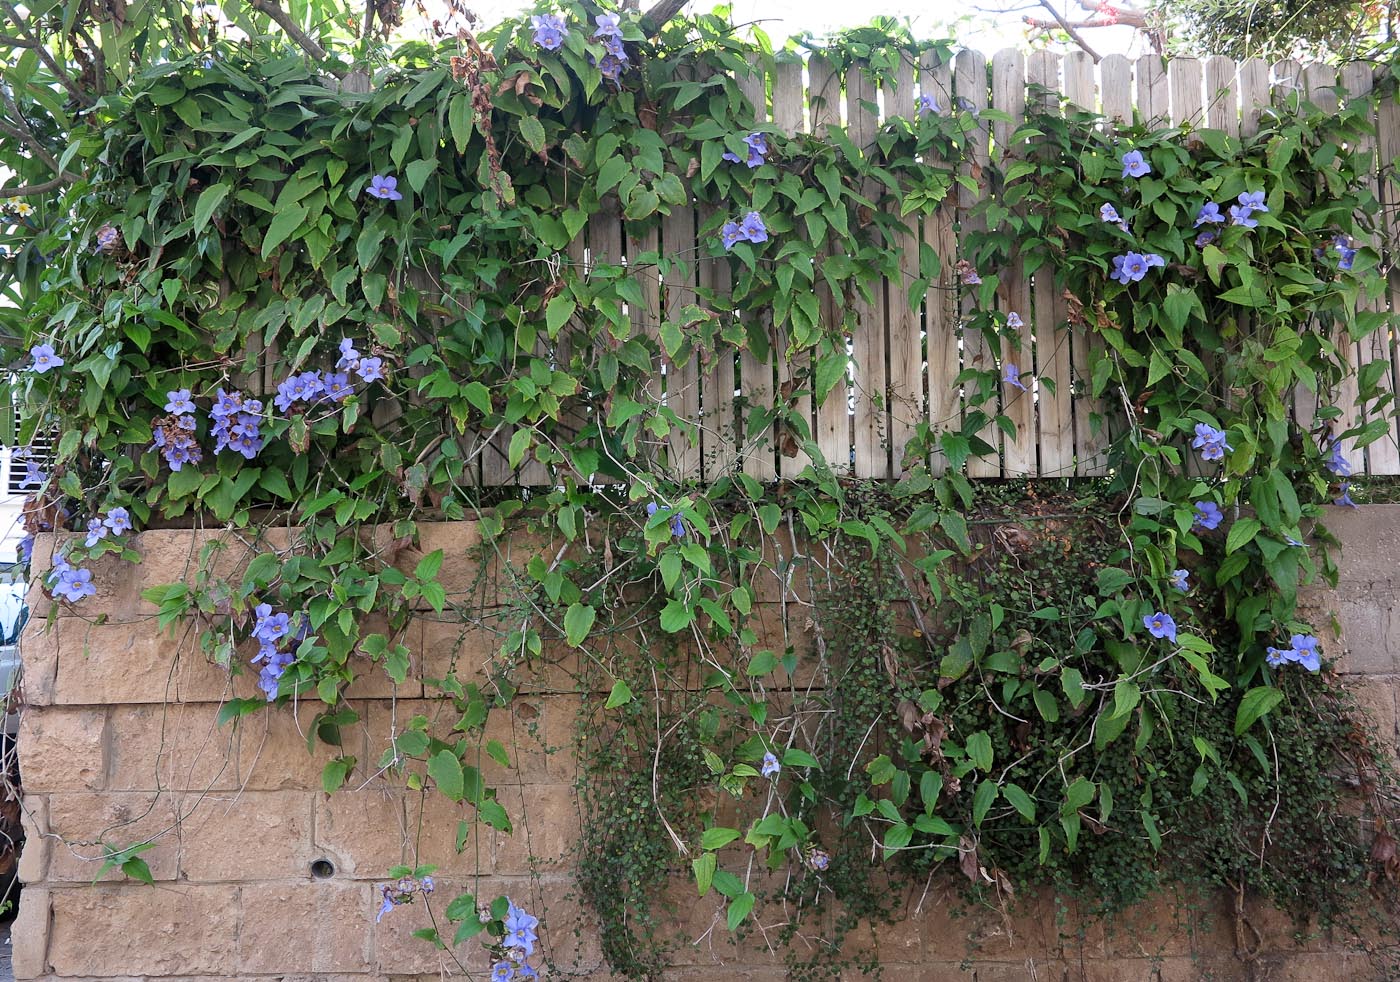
{"x":903,"y":361}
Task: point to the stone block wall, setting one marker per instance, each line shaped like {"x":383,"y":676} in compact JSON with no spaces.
{"x":120,"y":743}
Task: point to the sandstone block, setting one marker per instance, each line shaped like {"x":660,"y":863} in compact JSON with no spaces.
{"x":1379,"y":700}
{"x":175,"y":929}
{"x":1368,"y":630}
{"x":176,"y":747}
{"x":364,"y":832}
{"x":1370,"y":537}
{"x":38,"y":652}
{"x":62,"y":749}
{"x":546,"y":824}
{"x":447,"y":648}
{"x":272,"y":747}
{"x":30,"y":935}
{"x":34,"y":856}
{"x":316,"y":926}
{"x":435,"y":820}
{"x":85,"y":822}
{"x":105,"y":664}
{"x":253,"y":835}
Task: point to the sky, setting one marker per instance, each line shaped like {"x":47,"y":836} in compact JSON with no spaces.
{"x":987,"y":25}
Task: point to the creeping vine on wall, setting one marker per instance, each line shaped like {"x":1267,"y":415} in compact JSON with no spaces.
{"x":276,"y":302}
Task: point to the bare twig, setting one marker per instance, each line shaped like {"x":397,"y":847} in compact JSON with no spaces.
{"x":74,"y":89}
{"x":1068,"y":29}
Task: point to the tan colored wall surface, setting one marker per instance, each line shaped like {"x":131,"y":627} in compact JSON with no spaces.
{"x":119,"y":742}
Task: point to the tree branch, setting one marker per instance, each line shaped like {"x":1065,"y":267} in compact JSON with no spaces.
{"x":1069,"y":29}
{"x":29,"y":190}
{"x":20,"y":131}
{"x":659,"y":13}
{"x":74,"y":89}
{"x":303,"y":40}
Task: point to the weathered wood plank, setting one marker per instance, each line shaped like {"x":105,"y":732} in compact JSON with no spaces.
{"x":970,"y":86}
{"x":906,"y":343}
{"x":789,"y":115}
{"x":868,"y":341}
{"x":944,"y":407}
{"x":833,"y":431}
{"x":1014,"y":293}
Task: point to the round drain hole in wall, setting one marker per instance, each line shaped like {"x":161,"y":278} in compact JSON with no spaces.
{"x":322,"y":869}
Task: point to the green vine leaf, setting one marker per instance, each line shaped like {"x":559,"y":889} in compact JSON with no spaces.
{"x":1255,"y":704}
{"x":578,"y":622}
{"x":446,"y":771}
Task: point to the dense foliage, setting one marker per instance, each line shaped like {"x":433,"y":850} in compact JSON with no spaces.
{"x":273,"y":300}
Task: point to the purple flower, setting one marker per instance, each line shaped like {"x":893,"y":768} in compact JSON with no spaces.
{"x":34,"y":475}
{"x":677,"y":523}
{"x":731,"y":233}
{"x":502,"y":971}
{"x":1108,"y":213}
{"x":1305,"y":651}
{"x":1012,"y":376}
{"x":349,"y":357}
{"x":1013,"y":321}
{"x":1345,"y":500}
{"x":75,"y":584}
{"x":1210,"y":442}
{"x":1179,"y":580}
{"x":1209,"y":214}
{"x":179,"y":402}
{"x":970,"y":277}
{"x":1277,"y":656}
{"x":926,"y":104}
{"x":96,"y":532}
{"x":612,"y":65}
{"x":225,"y":404}
{"x":1208,"y":515}
{"x":1129,"y":268}
{"x":771,"y":767}
{"x":107,"y":238}
{"x":819,"y":859}
{"x":385,"y":907}
{"x":1337,"y":463}
{"x":1205,"y":239}
{"x":518,"y":918}
{"x":550,"y":31}
{"x":24,"y":552}
{"x":524,"y":971}
{"x":118,"y":520}
{"x":1347,"y":258}
{"x":1240,"y":216}
{"x":44,"y":358}
{"x":1134,"y":165}
{"x":1160,"y":625}
{"x":427,"y":885}
{"x":384,"y":186}
{"x":1253,"y":200}
{"x":753,"y":227}
{"x":338,"y":387}
{"x":520,"y":931}
{"x":609,"y":25}
{"x":1154,"y":261}
{"x":269,"y":627}
{"x":370,"y":369}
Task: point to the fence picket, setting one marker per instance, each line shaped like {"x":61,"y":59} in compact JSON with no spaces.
{"x":1388,"y":149}
{"x":833,"y":430}
{"x":970,"y":83}
{"x":944,"y":408}
{"x":1153,"y":95}
{"x":906,"y":345}
{"x":868,"y":345}
{"x":1222,"y":109}
{"x":794,"y":384}
{"x":756,"y":369}
{"x":1014,"y":294}
{"x":1054,"y":341}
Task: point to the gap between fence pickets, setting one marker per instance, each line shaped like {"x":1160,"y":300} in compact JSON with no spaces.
{"x":903,"y":359}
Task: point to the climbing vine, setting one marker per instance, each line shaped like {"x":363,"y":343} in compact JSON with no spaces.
{"x":311,"y":313}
